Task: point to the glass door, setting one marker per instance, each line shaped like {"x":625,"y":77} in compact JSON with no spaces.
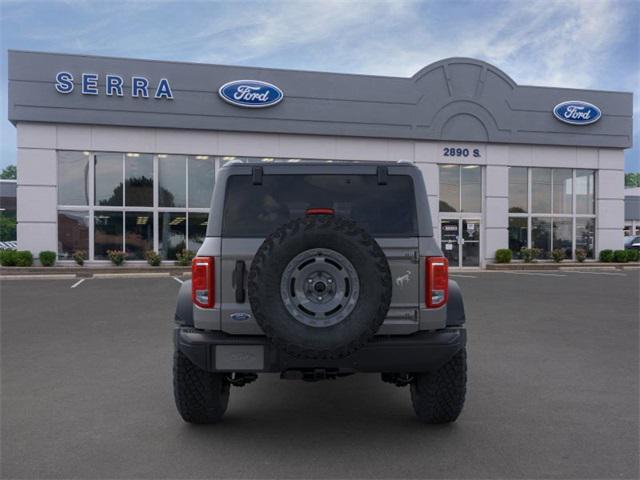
{"x":470,"y":243}
{"x":449,"y":243}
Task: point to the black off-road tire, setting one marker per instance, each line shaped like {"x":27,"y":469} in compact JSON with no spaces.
{"x":341,"y":235}
{"x":438,"y":397}
{"x":201,"y":396}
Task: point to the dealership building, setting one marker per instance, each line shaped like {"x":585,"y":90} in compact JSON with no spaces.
{"x":117,"y":153}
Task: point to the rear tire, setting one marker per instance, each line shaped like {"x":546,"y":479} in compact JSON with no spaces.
{"x":201,"y":397}
{"x":438,"y":397}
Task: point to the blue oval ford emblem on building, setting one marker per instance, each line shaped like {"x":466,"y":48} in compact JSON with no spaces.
{"x":251,"y":93}
{"x":577,"y":112}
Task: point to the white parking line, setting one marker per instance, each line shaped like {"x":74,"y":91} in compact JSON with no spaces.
{"x":178,"y":280}
{"x":599,"y":273}
{"x":538,"y":274}
{"x":461,"y":276}
{"x":78,"y":283}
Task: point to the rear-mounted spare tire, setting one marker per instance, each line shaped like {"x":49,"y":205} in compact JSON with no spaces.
{"x":320,"y":287}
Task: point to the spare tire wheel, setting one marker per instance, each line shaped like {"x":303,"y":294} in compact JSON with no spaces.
{"x":320,"y":287}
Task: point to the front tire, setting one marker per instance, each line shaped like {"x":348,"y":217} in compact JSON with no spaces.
{"x":438,"y":397}
{"x":201,"y":397}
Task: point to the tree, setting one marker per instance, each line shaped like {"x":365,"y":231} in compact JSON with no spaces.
{"x":9,"y":172}
{"x":632,"y":180}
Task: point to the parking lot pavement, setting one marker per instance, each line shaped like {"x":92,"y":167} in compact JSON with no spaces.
{"x":552,"y":393}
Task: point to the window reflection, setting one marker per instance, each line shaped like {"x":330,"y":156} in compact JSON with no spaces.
{"x":107,"y":233}
{"x":562,"y":190}
{"x":585,"y":235}
{"x":138,"y":169}
{"x":73,"y":232}
{"x":172,"y":231}
{"x":562,"y":235}
{"x":541,"y":190}
{"x":73,"y":178}
{"x":517,"y":235}
{"x":449,"y":188}
{"x":471,"y":181}
{"x":108,"y":179}
{"x":541,"y":235}
{"x":138,"y":234}
{"x":197,"y":230}
{"x":172,"y":178}
{"x":585,"y":191}
{"x":201,"y":178}
{"x":518,"y":190}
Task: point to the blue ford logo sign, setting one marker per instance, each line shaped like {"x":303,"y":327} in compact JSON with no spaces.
{"x":577,"y":112}
{"x":250,"y":93}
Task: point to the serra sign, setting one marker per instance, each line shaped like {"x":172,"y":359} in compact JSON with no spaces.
{"x":250,"y":93}
{"x":113,"y":85}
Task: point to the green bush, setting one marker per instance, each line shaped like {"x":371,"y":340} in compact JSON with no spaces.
{"x":633,"y":255}
{"x":24,"y":258}
{"x":185,"y":257}
{"x":581,"y":254}
{"x":620,"y":256}
{"x":47,"y":258}
{"x":153,"y":258}
{"x":606,"y":255}
{"x":503,"y":255}
{"x":8,"y":258}
{"x":558,"y":255}
{"x":526,"y":254}
{"x":117,"y":257}
{"x":79,"y":256}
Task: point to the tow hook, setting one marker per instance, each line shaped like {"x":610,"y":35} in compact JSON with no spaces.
{"x":241,"y":379}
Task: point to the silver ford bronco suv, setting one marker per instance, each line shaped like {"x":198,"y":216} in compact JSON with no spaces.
{"x":315,"y":271}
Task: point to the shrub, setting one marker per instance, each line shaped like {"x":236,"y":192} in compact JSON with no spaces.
{"x":184,"y":257}
{"x":117,"y":257}
{"x":526,"y":254}
{"x":8,"y":258}
{"x":581,"y":254}
{"x":80,"y":256}
{"x":558,"y":255}
{"x":503,"y":255}
{"x":47,"y":258}
{"x":153,"y":258}
{"x":24,"y":258}
{"x":620,"y":256}
{"x":633,"y":255}
{"x":606,"y":256}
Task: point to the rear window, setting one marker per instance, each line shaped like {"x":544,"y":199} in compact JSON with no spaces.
{"x":257,"y":210}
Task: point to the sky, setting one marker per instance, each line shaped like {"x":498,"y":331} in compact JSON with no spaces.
{"x":565,"y":43}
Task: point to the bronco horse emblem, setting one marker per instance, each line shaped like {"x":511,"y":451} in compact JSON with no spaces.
{"x":404,"y":279}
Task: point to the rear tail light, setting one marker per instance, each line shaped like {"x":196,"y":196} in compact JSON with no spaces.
{"x":437,"y":285}
{"x":203,"y":282}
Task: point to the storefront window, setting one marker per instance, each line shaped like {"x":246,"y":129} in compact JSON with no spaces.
{"x":541,"y":235}
{"x":138,"y":172}
{"x":562,"y":235}
{"x":471,"y":191}
{"x":517,"y":235}
{"x":73,"y":178}
{"x":172,"y":178}
{"x":197,"y":230}
{"x":108,"y":179}
{"x":562,"y":190}
{"x":107,"y":233}
{"x":518,"y":190}
{"x":585,"y":192}
{"x":585,"y":235}
{"x":541,"y":190}
{"x":138,"y":234}
{"x":201,"y":179}
{"x":73,"y":232}
{"x":449,"y":188}
{"x":172,"y":231}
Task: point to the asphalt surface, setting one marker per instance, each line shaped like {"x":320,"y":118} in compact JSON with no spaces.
{"x":552,"y":392}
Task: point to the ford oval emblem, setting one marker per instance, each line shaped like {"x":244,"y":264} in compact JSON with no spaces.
{"x":240,"y":316}
{"x":250,"y":93}
{"x":577,"y":112}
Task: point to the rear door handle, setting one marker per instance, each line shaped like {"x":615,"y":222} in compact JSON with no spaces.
{"x":238,"y":281}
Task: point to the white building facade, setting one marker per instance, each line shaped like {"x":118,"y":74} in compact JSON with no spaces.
{"x":111,"y":170}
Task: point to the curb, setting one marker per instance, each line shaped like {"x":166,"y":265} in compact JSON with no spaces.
{"x":562,"y":266}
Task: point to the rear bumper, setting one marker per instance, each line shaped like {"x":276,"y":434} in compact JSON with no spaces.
{"x":220,"y":352}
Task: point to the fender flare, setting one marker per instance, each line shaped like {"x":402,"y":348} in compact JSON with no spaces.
{"x":455,"y":306}
{"x":184,"y":306}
